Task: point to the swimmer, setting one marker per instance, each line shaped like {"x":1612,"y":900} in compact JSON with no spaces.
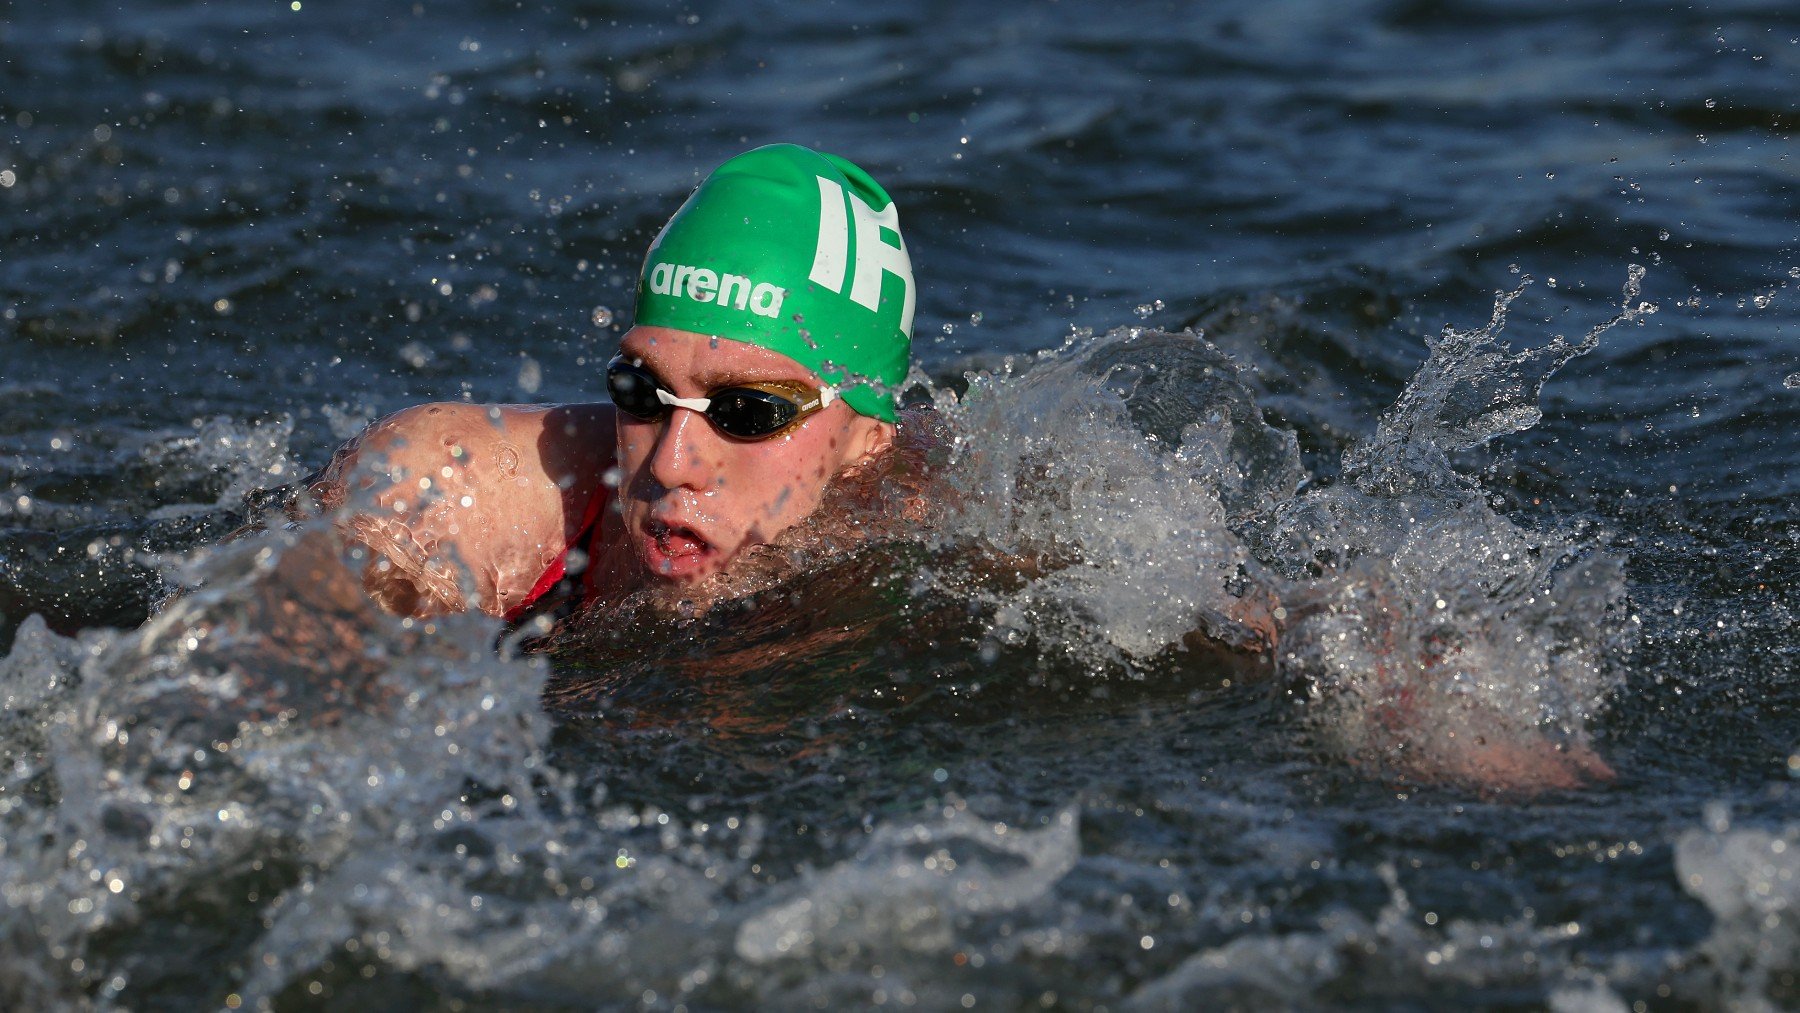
{"x":773,"y":328}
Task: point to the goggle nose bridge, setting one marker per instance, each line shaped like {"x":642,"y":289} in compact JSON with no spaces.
{"x":701,"y":404}
{"x":697,"y":404}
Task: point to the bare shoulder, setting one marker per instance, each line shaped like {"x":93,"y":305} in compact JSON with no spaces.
{"x":490,"y":491}
{"x":570,"y":442}
{"x":485,"y":444}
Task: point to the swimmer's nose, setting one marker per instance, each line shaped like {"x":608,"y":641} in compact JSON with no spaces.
{"x":683,"y":455}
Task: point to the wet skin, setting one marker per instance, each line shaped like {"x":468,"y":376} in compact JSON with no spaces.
{"x":468,"y":504}
{"x":464,"y":503}
{"x":693,"y":498}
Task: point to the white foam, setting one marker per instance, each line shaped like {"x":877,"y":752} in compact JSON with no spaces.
{"x":908,"y":886}
{"x":1123,"y":535}
{"x":1749,"y":879}
{"x":1281,"y":970}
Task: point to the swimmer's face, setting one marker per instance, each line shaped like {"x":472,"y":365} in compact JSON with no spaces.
{"x":694,"y":498}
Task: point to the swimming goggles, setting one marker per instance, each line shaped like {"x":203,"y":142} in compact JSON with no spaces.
{"x":754,"y":410}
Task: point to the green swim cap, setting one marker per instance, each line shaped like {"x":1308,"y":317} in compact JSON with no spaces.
{"x":799,"y":252}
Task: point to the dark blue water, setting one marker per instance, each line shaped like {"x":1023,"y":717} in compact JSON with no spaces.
{"x":232,"y":233}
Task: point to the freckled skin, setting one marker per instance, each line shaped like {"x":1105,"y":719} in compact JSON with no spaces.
{"x":506,"y":485}
{"x":684,"y":473}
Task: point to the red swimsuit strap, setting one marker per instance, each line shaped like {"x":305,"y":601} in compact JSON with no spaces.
{"x":585,"y":536}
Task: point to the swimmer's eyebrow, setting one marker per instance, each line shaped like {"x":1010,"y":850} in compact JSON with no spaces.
{"x":713,"y":377}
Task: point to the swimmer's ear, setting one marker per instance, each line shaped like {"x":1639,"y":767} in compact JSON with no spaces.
{"x":870,"y":438}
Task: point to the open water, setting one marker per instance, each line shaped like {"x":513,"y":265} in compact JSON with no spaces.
{"x":1498,"y":392}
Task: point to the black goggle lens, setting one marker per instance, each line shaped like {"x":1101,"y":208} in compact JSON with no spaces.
{"x":743,"y":412}
{"x":633,"y":391}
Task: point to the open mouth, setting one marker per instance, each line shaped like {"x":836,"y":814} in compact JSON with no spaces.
{"x":675,"y":550}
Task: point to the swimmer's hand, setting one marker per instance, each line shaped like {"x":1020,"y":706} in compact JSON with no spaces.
{"x":1450,"y":736}
{"x":1504,"y":762}
{"x":1452,"y":741}
{"x":1526,"y":768}
{"x":1426,"y":701}
{"x":1255,"y":619}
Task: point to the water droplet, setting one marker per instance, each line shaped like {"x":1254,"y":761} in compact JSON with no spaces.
{"x":602,"y":316}
{"x":1144,"y":310}
{"x":1663,"y":234}
{"x":417,"y":354}
{"x":1792,"y":382}
{"x":1712,"y":103}
{"x":1549,"y":175}
{"x":531,"y":376}
{"x":975,"y":318}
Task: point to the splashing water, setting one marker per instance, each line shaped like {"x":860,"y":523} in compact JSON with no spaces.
{"x":1434,"y":635}
{"x":1129,"y":491}
{"x":1263,"y":972}
{"x":1750,"y":880}
{"x":82,"y":565}
{"x":908,"y":886}
{"x":259,"y":739}
{"x":243,"y":457}
{"x":325,"y":795}
{"x":1109,"y":476}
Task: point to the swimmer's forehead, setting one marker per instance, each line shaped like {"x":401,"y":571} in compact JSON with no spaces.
{"x":708,"y":361}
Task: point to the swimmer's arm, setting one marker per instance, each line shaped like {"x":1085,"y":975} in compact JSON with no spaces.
{"x":1401,"y":720}
{"x":457,"y":501}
